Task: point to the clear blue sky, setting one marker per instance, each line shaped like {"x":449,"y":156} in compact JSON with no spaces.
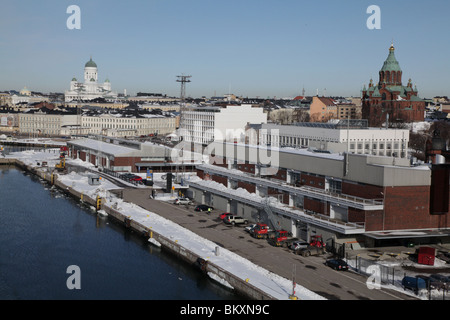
{"x":252,"y":48}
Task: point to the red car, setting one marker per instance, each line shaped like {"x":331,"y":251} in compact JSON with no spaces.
{"x":136,"y":178}
{"x":224,"y":215}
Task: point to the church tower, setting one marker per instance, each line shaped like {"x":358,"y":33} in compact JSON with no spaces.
{"x":89,"y":89}
{"x":389,"y":98}
{"x":90,"y":71}
{"x":391,"y":73}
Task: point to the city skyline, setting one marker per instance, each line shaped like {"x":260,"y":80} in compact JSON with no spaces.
{"x":250,"y":48}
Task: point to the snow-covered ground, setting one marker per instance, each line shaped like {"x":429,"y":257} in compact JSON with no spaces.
{"x":275,"y":285}
{"x":418,"y":127}
{"x":36,"y":141}
{"x":399,"y":264}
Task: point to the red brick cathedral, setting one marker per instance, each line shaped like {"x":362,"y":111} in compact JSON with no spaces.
{"x":390,"y":97}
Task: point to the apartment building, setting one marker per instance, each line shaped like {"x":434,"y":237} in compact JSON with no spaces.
{"x":323,"y":109}
{"x":120,"y":126}
{"x":348,"y":111}
{"x":42,"y":123}
{"x":115,"y":125}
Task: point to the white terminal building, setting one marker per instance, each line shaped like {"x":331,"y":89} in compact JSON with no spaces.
{"x":337,"y":137}
{"x":89,"y":89}
{"x":203,"y":125}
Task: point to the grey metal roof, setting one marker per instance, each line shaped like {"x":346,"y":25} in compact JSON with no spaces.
{"x":341,"y":124}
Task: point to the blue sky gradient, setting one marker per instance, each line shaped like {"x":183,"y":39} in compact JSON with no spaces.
{"x":252,"y":48}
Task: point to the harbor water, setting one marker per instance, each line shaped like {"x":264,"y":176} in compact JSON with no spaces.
{"x":43,"y":232}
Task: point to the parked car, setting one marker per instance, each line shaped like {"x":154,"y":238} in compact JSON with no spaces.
{"x":136,"y":178}
{"x":440,"y":277}
{"x":126,"y":176}
{"x":337,"y":264}
{"x":147,"y":182}
{"x":235,"y":220}
{"x":182,"y":201}
{"x":439,"y":281}
{"x":297,"y":245}
{"x":203,"y":207}
{"x":224,"y":215}
{"x":250,"y":227}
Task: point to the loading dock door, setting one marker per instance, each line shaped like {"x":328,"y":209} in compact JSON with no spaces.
{"x":340,"y":213}
{"x":302,"y":231}
{"x":233,"y":206}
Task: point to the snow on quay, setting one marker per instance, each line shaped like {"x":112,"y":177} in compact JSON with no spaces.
{"x":278,"y":287}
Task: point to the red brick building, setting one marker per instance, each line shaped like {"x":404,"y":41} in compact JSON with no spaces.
{"x":390,"y":98}
{"x":368,"y":198}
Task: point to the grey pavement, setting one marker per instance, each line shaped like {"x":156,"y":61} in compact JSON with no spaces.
{"x":310,"y":272}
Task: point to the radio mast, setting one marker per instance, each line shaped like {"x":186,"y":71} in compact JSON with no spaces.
{"x":183,"y":80}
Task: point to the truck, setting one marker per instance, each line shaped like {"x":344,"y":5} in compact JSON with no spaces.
{"x":61,"y":166}
{"x":262,"y":231}
{"x":282,"y":239}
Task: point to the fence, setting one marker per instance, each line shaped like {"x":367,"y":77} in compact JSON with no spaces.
{"x":385,"y":274}
{"x":392,"y":276}
{"x":119,"y":175}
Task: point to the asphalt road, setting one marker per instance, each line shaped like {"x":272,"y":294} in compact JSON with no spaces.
{"x":310,"y":272}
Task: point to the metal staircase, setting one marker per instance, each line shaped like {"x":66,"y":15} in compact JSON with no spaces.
{"x":270,"y":215}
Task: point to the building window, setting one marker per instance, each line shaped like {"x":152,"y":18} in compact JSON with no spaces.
{"x":335,"y":186}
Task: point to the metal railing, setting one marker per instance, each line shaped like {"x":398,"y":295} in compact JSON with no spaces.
{"x":345,"y":197}
{"x":351,"y":201}
{"x":294,"y":213}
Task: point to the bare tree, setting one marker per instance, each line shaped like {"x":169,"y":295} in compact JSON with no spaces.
{"x":417,"y":143}
{"x":444,"y":130}
{"x":301,"y":115}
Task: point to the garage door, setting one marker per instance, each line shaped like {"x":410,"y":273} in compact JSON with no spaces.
{"x":340,"y":213}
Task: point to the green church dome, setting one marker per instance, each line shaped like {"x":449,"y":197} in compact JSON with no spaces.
{"x":90,"y":64}
{"x":391,"y":63}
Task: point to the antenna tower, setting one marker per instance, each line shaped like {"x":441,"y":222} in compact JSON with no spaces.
{"x":183,"y":80}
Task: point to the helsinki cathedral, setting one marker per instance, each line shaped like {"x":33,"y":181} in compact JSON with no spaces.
{"x":90,"y":89}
